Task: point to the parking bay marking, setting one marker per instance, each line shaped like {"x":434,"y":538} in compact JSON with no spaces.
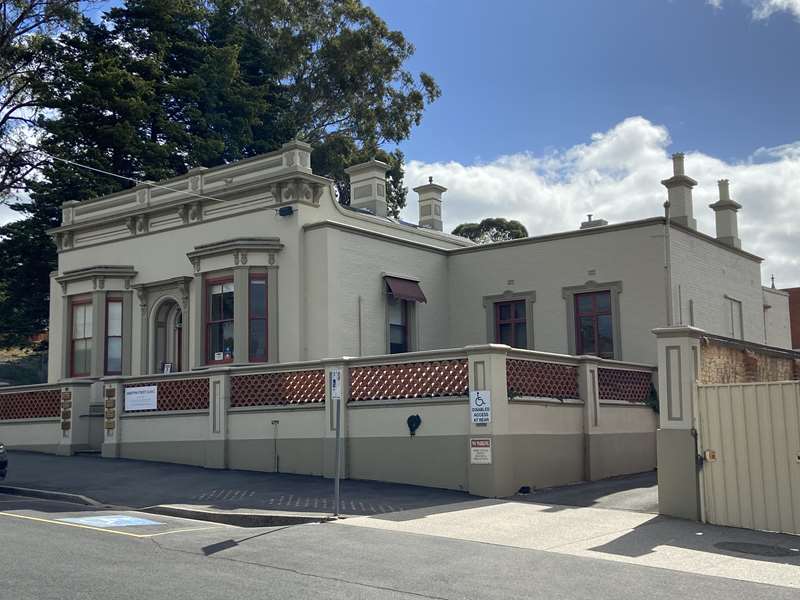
{"x":93,"y":528}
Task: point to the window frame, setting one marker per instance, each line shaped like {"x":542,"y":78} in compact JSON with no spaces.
{"x":528,"y":296}
{"x":594,"y":314}
{"x":256,"y":275}
{"x":79,"y":301}
{"x":207,"y":317}
{"x":731,"y":304}
{"x":513,"y":321}
{"x":106,"y":337}
{"x":569,"y":293}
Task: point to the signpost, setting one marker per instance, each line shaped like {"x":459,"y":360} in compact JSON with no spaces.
{"x":480,"y":407}
{"x":141,"y":398}
{"x":336,"y":398}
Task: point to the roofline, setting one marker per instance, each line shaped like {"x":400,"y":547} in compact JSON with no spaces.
{"x":604,"y":229}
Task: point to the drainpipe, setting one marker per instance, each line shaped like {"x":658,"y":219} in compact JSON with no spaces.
{"x":667,"y":265}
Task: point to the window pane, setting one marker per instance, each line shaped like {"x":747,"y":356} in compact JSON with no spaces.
{"x":78,"y":315}
{"x":397,"y":339}
{"x":602,"y":302}
{"x":114,"y":355}
{"x":586,"y":333}
{"x":87,"y":320}
{"x":396,"y":312}
{"x":227,"y":287}
{"x":258,"y":298}
{"x":519,"y":310}
{"x":227,"y":304}
{"x":215,"y":289}
{"x":220,"y":341}
{"x":216,"y":307}
{"x":504,"y":311}
{"x":82,"y":356}
{"x":504,"y":334}
{"x":605,"y":336}
{"x":114,"y":319}
{"x":258,"y":340}
{"x":520,"y":336}
{"x":583,"y":304}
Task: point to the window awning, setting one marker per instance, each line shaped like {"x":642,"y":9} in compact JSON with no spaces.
{"x":405,"y":289}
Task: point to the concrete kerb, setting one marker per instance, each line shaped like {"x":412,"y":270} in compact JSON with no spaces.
{"x":50,"y":495}
{"x":236,"y":518}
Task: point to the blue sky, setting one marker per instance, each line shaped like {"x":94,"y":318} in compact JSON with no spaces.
{"x":529,"y":76}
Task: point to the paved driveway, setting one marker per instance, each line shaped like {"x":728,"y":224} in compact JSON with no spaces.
{"x":139,"y":484}
{"x":632,"y":492}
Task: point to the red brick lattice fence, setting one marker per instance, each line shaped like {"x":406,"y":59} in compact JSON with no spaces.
{"x":271,"y":389}
{"x":178,"y":394}
{"x":34,"y":404}
{"x":625,"y":385}
{"x":539,"y":379}
{"x":435,"y":379}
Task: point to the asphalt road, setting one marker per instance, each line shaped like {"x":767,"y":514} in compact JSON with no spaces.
{"x":44,"y":558}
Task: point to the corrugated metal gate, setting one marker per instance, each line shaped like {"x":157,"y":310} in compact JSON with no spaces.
{"x":749,"y":435}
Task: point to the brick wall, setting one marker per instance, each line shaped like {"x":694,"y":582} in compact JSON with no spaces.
{"x":794,"y":315}
{"x":731,"y":361}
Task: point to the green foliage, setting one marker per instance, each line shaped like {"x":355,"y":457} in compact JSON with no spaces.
{"x":492,"y":230}
{"x":25,"y":370}
{"x":652,"y":399}
{"x":162,"y":86}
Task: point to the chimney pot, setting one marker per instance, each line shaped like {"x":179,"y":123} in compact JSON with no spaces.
{"x":430,"y":205}
{"x":726,"y":217}
{"x":677,"y":164}
{"x":679,"y":193}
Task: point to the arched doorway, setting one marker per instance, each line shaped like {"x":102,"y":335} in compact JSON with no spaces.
{"x":168,"y":327}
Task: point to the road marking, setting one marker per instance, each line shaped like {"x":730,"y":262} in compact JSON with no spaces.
{"x":125,"y":533}
{"x":112,"y":521}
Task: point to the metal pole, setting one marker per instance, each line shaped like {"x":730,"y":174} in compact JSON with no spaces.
{"x":338,"y":455}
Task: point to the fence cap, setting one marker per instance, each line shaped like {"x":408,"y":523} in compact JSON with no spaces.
{"x":679,"y":331}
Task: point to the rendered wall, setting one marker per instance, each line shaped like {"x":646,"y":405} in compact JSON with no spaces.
{"x":38,"y":435}
{"x":167,"y":437}
{"x":633,"y":256}
{"x":777,"y":318}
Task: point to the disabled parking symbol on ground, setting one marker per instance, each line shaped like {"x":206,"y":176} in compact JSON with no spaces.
{"x":111,"y":521}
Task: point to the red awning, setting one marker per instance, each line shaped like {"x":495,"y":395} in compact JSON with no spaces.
{"x":405,"y":289}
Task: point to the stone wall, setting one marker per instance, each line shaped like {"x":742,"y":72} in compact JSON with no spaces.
{"x":726,"y":360}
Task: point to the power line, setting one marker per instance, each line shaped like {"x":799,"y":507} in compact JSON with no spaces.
{"x":136,"y":181}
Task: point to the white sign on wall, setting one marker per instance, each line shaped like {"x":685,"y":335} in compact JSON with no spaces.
{"x":141,"y":398}
{"x":336,"y":384}
{"x":480,"y":406}
{"x":480,"y":451}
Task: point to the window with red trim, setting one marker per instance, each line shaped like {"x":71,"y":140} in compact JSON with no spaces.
{"x":258,"y":317}
{"x":593,"y":324}
{"x":219,"y":320}
{"x":510,"y":324}
{"x":81,"y":338}
{"x":113,"y":349}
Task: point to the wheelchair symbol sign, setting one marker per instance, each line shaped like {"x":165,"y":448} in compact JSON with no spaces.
{"x":480,"y":403}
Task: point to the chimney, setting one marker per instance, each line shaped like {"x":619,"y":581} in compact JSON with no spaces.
{"x":679,"y":192}
{"x":430,"y":205}
{"x":368,"y":186}
{"x":588,"y":224}
{"x":725,"y":211}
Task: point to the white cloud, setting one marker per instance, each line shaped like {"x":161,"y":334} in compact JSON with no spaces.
{"x":764,"y":9}
{"x":616,"y":176}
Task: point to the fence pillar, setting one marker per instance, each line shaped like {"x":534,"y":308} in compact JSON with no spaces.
{"x":74,"y":430}
{"x":329,"y":427}
{"x":487,"y":372}
{"x":678,"y":367}
{"x":590,"y":395}
{"x":113,"y":405}
{"x":219,"y":396}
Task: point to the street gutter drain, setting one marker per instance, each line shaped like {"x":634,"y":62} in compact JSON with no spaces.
{"x":758,"y":549}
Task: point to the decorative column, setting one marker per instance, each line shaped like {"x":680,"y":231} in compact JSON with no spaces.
{"x":490,"y":474}
{"x":590,"y":395}
{"x":219,"y":395}
{"x":678,"y":472}
{"x":144,"y":358}
{"x":98,"y":333}
{"x":241,"y":315}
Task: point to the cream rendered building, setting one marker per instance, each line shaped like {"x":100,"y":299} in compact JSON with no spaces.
{"x":257,"y":262}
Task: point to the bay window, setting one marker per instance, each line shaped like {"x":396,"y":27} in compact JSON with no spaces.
{"x":113,"y":342}
{"x":81,"y":339}
{"x":219,"y":321}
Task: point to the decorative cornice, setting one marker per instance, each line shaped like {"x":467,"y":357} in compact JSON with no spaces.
{"x":98,"y":274}
{"x":239,"y":248}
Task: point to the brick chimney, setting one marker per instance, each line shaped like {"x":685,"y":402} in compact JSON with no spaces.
{"x":679,"y":192}
{"x":430,"y":204}
{"x":726,"y":211}
{"x":368,"y":186}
